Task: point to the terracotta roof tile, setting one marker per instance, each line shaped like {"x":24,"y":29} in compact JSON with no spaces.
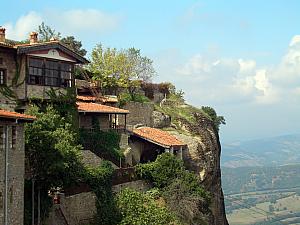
{"x":6,"y":45}
{"x":34,"y":44}
{"x":104,"y":99}
{"x":157,"y":136}
{"x":14,"y":115}
{"x":98,"y":108}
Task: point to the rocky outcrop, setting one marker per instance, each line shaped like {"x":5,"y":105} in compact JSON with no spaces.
{"x":160,"y":119}
{"x":203,"y":157}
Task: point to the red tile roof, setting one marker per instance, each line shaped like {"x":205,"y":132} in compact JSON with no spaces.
{"x":98,"y":108}
{"x":38,"y":43}
{"x":157,"y":136}
{"x":14,"y":115}
{"x":6,"y":45}
{"x":104,"y":99}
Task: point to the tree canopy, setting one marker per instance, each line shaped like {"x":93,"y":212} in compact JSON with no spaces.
{"x":218,"y":120}
{"x":46,"y":33}
{"x":51,"y":149}
{"x":124,"y":68}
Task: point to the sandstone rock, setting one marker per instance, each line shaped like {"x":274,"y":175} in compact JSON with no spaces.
{"x":203,"y":157}
{"x":160,"y":120}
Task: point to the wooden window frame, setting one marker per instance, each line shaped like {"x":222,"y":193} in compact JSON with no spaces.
{"x":60,"y":81}
{"x":2,"y":137}
{"x":3,"y":77}
{"x":14,"y":137}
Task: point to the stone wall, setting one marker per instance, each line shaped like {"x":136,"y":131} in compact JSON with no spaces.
{"x":79,"y":209}
{"x":9,"y":65}
{"x":16,"y":170}
{"x":92,"y":160}
{"x":139,"y":113}
{"x":85,"y":121}
{"x":38,"y":91}
{"x":138,"y":185}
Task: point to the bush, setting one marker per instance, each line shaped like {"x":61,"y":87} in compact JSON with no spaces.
{"x":104,"y":144}
{"x":100,"y":180}
{"x":180,"y":188}
{"x":161,"y":172}
{"x":218,"y":120}
{"x":126,"y":97}
{"x":141,"y":209}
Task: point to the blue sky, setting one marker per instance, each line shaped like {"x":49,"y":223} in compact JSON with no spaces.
{"x":241,"y":57}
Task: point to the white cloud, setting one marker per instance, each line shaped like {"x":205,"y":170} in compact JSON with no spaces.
{"x":295,"y":40}
{"x":76,"y":22}
{"x":23,"y":26}
{"x":230,"y":81}
{"x":247,"y":66}
{"x":83,"y":21}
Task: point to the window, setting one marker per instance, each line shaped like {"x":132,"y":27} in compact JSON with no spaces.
{"x":14,"y":137}
{"x":52,"y":73}
{"x":66,"y":75}
{"x":2,"y":77}
{"x":35,"y":71}
{"x":49,"y":72}
{"x":2,"y":138}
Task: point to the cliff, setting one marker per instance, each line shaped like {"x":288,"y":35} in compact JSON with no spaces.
{"x":194,"y":127}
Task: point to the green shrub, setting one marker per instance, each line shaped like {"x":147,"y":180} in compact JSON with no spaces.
{"x":218,"y":120}
{"x":141,"y":209}
{"x":100,"y":180}
{"x":161,"y":172}
{"x":102,"y":143}
{"x":180,"y":188}
{"x":135,"y":97}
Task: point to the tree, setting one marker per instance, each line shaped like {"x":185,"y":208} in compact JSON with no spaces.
{"x":46,"y":33}
{"x":120,"y":68}
{"x":51,"y":149}
{"x":218,"y":120}
{"x":74,"y":45}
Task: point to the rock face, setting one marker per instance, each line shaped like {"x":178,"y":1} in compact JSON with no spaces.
{"x":203,"y":157}
{"x":160,"y":119}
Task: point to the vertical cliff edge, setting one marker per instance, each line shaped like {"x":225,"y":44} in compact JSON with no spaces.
{"x":197,"y":130}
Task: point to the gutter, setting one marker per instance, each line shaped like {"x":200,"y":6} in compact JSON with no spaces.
{"x":6,"y":177}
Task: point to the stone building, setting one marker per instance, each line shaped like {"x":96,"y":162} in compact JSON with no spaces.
{"x":30,"y":71}
{"x":106,"y":116}
{"x":12,"y":168}
{"x":146,"y":143}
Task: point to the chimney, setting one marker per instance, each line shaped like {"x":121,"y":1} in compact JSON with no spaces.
{"x":2,"y":34}
{"x":33,"y":38}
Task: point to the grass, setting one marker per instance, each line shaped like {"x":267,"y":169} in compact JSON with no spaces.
{"x":177,"y":109}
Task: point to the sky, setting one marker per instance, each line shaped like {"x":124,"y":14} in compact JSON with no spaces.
{"x":240,"y":57}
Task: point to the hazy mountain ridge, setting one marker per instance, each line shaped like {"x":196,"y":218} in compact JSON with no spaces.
{"x":246,"y":179}
{"x":272,"y":151}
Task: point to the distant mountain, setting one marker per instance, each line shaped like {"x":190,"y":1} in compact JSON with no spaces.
{"x":275,"y":151}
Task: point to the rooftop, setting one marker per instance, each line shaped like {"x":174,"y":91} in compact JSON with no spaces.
{"x":157,"y":136}
{"x":13,"y":115}
{"x":109,"y":99}
{"x":98,"y":108}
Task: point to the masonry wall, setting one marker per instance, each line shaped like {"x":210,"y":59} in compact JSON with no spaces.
{"x":9,"y":65}
{"x":140,"y":113}
{"x":79,"y":209}
{"x":86,"y":121}
{"x":16,"y":172}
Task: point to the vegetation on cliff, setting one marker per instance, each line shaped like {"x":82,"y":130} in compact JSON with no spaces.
{"x":180,"y":188}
